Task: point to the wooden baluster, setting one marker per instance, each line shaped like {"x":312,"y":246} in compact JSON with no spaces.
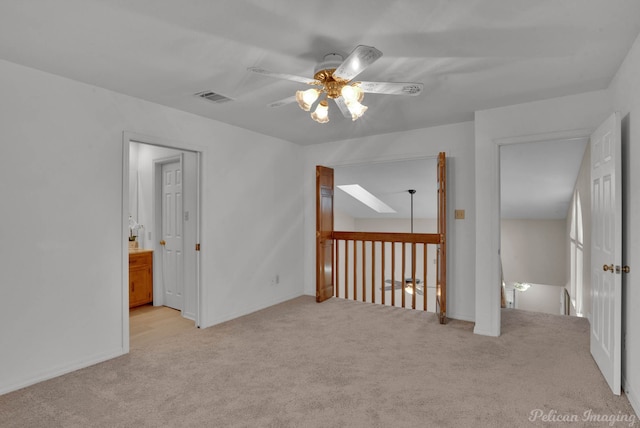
{"x":346,"y":269}
{"x":373,"y":271}
{"x":424,"y":275}
{"x":404,"y":250}
{"x":383,"y":249}
{"x":413,"y":275}
{"x":437,"y":279}
{"x":336,"y":271}
{"x":355,"y":270}
{"x":364,"y":277}
{"x":393,"y":273}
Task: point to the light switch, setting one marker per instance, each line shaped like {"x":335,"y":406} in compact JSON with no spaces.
{"x":459,"y":214}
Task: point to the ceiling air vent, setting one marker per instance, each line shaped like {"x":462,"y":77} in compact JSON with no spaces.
{"x":213,"y":97}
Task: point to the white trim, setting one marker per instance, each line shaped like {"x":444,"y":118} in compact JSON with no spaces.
{"x":493,"y":327}
{"x":224,"y":317}
{"x":199,"y":297}
{"x":124,"y":247}
{"x":381,"y":159}
{"x":575,"y":134}
{"x":632,"y":395}
{"x":162,"y":142}
{"x":64,"y":369}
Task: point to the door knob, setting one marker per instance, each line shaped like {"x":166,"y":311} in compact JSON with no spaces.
{"x":626,"y":269}
{"x":607,"y":268}
{"x":163,"y":242}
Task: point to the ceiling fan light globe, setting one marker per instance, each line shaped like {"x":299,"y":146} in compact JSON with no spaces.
{"x":321,"y":113}
{"x":306,"y":98}
{"x":356,"y":109}
{"x":352,"y":93}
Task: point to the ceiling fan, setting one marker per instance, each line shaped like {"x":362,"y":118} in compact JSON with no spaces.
{"x":334,"y":79}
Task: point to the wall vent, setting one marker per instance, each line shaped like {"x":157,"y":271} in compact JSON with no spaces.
{"x":213,"y":97}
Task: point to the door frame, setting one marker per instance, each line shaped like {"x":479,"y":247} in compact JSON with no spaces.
{"x":494,"y":292}
{"x":129,"y":137}
{"x":158,"y":267}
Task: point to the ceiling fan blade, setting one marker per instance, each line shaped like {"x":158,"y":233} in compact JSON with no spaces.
{"x":283,"y":102}
{"x":342,"y":105}
{"x":392,"y":88}
{"x":283,"y":76}
{"x":359,"y":59}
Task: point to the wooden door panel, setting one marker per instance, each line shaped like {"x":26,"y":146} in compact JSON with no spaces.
{"x":324,"y":233}
{"x":441,"y":276}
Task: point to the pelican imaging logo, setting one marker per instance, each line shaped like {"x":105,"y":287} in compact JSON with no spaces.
{"x":553,"y":416}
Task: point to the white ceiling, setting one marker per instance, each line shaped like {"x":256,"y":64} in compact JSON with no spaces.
{"x":470,"y":54}
{"x":537,"y":179}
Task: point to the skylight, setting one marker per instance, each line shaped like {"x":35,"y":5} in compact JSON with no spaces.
{"x":358,"y":192}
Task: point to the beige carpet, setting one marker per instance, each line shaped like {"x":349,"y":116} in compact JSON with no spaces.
{"x":336,"y":364}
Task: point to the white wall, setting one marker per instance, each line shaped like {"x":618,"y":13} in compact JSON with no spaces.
{"x":457,"y":141}
{"x":538,"y":298}
{"x":557,"y":118}
{"x":534,"y":251}
{"x":625,"y":97}
{"x":63,"y":252}
{"x":342,"y":220}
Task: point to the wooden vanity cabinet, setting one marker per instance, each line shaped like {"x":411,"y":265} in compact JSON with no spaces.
{"x":140,"y":277}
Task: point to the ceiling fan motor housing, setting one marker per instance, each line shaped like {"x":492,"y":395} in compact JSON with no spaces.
{"x":323,"y":73}
{"x":330,"y":61}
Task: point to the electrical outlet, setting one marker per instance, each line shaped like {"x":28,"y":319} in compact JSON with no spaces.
{"x":459,"y":214}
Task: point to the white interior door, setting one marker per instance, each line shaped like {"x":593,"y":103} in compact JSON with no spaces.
{"x":172,"y":235}
{"x":606,"y":250}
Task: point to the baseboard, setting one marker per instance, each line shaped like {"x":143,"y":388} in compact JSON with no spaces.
{"x":632,"y":396}
{"x":460,"y":317}
{"x":60,"y":370}
{"x":249,"y":310}
{"x":483,"y":332}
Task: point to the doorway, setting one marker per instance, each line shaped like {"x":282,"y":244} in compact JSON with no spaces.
{"x":176,"y":279}
{"x":539,"y":181}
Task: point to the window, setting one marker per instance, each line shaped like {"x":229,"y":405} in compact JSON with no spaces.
{"x":576,"y":237}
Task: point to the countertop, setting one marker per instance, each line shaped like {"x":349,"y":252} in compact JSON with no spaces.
{"x":139,"y":250}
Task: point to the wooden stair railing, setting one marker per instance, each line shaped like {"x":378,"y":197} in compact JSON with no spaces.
{"x":363,"y":266}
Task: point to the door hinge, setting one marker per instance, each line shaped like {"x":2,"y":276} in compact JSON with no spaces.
{"x":197,"y":247}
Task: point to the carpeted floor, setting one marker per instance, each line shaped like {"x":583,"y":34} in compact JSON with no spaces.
{"x":337,"y":364}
